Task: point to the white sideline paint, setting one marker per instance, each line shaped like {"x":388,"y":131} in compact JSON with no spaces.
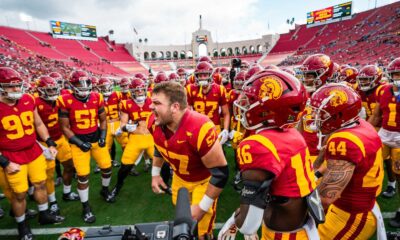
{"x":50,"y":231}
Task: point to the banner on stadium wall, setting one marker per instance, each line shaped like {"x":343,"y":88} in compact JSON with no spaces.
{"x":73,"y":31}
{"x":330,"y":14}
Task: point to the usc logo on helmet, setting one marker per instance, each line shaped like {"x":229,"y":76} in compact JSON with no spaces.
{"x":325,"y":60}
{"x":271,"y":87}
{"x":339,"y":98}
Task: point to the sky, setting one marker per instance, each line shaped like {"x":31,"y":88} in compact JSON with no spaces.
{"x":170,"y":22}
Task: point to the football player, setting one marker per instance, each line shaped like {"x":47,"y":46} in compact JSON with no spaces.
{"x":20,"y":155}
{"x":316,"y":70}
{"x":47,"y":107}
{"x":182,"y":75}
{"x":349,"y":75}
{"x":278,"y":187}
{"x":369,"y":87}
{"x":386,"y":112}
{"x":133,"y":121}
{"x":112,"y":101}
{"x":124,"y":88}
{"x":83,"y":121}
{"x":61,"y":83}
{"x":354,"y":174}
{"x":206,"y":98}
{"x":188,"y":141}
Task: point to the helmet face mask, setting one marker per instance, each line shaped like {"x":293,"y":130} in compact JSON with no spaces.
{"x":138,"y":90}
{"x":12,"y":91}
{"x":50,"y":93}
{"x":365,"y":83}
{"x":311,"y":80}
{"x":105,"y":89}
{"x":203,"y":79}
{"x":395,"y":78}
{"x":82,"y":88}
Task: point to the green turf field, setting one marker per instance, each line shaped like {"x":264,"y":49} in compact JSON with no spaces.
{"x":138,"y":204}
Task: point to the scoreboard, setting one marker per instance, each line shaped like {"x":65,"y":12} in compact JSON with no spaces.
{"x":330,"y":14}
{"x":73,"y":31}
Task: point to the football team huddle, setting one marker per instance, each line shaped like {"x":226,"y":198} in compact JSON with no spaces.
{"x":310,"y":143}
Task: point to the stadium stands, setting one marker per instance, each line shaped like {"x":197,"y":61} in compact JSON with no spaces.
{"x":369,"y":37}
{"x":99,"y":57}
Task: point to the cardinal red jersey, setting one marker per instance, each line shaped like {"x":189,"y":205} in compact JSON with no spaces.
{"x":233,"y":96}
{"x":17,"y":131}
{"x":126,"y":96}
{"x":65,"y":91}
{"x":191,"y":80}
{"x":283,"y":153}
{"x":228,"y":87}
{"x":370,"y":98}
{"x":390,"y":109}
{"x":111,"y":105}
{"x":184,"y":149}
{"x":48,"y":112}
{"x":135,"y":112}
{"x":362,"y":146}
{"x":207,"y":104}
{"x":83,"y":116}
{"x":150,"y":89}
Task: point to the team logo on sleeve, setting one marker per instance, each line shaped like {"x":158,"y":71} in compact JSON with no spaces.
{"x":339,"y":97}
{"x":271,"y":87}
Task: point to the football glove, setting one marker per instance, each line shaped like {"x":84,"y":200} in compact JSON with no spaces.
{"x":102,"y":139}
{"x":223,"y":136}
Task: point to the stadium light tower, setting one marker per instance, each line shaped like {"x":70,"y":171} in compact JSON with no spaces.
{"x":25,"y":18}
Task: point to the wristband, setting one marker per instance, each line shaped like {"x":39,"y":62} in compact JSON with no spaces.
{"x":50,"y":142}
{"x":4,"y":162}
{"x":318,"y":174}
{"x":155,"y":171}
{"x":205,"y":203}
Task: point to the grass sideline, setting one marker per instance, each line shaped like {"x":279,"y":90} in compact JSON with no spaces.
{"x":138,"y":204}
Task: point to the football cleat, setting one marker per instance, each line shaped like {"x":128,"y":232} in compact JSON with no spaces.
{"x":45,"y":217}
{"x":58,"y":181}
{"x":389,"y":192}
{"x":24,"y":231}
{"x":88,"y":216}
{"x":71,"y":196}
{"x":108,"y":197}
{"x":134,"y":172}
{"x":1,"y":213}
{"x":54,"y":209}
{"x":115,"y":163}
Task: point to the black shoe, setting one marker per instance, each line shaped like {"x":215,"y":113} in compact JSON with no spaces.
{"x":54,"y":209}
{"x":88,"y":216}
{"x":389,"y":192}
{"x":115,"y":163}
{"x":45,"y":217}
{"x":108,"y":197}
{"x":1,"y":213}
{"x":114,"y":192}
{"x":71,"y":196}
{"x":24,"y":231}
{"x":395,"y":222}
{"x":134,"y":172}
{"x":96,"y":169}
{"x":58,"y":181}
{"x":29,"y":213}
{"x":2,"y":196}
